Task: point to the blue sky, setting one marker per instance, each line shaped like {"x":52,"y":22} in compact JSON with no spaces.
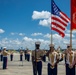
{"x":22,"y":22}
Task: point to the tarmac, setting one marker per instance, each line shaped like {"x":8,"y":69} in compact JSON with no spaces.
{"x":24,"y":67}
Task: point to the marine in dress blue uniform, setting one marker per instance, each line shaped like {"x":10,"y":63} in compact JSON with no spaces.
{"x":53,"y":60}
{"x":69,"y":59}
{"x":5,"y":53}
{"x":44,"y":56}
{"x":28,"y":55}
{"x":11,"y":55}
{"x":37,"y":59}
{"x":25,"y":54}
{"x":1,"y":55}
{"x":21,"y":55}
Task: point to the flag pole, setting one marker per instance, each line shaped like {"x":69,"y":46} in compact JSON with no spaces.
{"x":71,"y":24}
{"x":51,"y":25}
{"x":71,"y":38}
{"x":51,"y":36}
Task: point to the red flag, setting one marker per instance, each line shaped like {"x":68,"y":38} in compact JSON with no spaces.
{"x":59,"y":20}
{"x":73,"y":14}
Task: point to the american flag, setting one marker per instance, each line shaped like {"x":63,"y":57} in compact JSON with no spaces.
{"x":59,"y":20}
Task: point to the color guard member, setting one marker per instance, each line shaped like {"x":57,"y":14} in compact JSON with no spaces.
{"x":70,"y":58}
{"x":37,"y":59}
{"x":53,"y":60}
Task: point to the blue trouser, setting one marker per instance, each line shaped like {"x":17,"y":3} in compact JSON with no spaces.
{"x":52,"y":71}
{"x":1,"y":57}
{"x":25,"y":56}
{"x":44,"y":58}
{"x":21,"y":57}
{"x":11,"y":57}
{"x":37,"y":68}
{"x":28,"y":57}
{"x":4,"y":62}
{"x":70,"y":71}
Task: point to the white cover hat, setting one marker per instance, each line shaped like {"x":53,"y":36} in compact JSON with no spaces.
{"x":4,"y":47}
{"x":37,"y":42}
{"x":51,"y":45}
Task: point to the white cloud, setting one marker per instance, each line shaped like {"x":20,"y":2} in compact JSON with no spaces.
{"x":74,"y":31}
{"x":44,"y":22}
{"x":57,"y":36}
{"x":44,"y":17}
{"x":68,"y":31}
{"x":27,"y":39}
{"x":2,"y":31}
{"x":5,"y":41}
{"x":57,"y":40}
{"x":47,"y":35}
{"x":17,"y":41}
{"x":66,"y":41}
{"x":15,"y":33}
{"x":36,"y":34}
{"x":12,"y":33}
{"x":40,"y":15}
{"x":68,"y":35}
{"x":30,"y":42}
{"x":21,"y":34}
{"x":10,"y":43}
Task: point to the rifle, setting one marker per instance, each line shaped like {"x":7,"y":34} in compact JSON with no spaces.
{"x":35,"y":62}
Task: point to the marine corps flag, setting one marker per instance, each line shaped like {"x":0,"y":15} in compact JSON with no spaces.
{"x":73,"y":14}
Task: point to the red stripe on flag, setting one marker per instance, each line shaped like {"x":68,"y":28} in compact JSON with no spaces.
{"x":54,"y":23}
{"x":55,"y":18}
{"x":59,"y":20}
{"x":64,"y":17}
{"x":60,"y":33}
